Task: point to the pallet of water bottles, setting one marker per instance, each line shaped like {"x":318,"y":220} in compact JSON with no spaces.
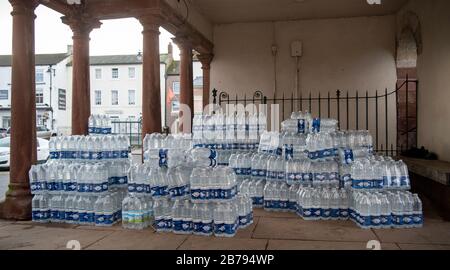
{"x":206,"y":219}
{"x":89,"y":148}
{"x":99,"y":125}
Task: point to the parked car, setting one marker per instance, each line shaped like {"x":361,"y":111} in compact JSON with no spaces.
{"x":41,"y":132}
{"x":3,"y":132}
{"x":42,"y":151}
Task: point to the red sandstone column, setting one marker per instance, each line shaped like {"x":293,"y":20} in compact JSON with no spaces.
{"x":206,"y":59}
{"x":151,"y":89}
{"x":186,"y":78}
{"x":81,"y":102}
{"x":17,"y":204}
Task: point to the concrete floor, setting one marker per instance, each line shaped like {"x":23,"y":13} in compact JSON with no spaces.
{"x":270,"y":231}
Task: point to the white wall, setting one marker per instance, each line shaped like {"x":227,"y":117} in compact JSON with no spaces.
{"x":346,"y":54}
{"x":433,"y":69}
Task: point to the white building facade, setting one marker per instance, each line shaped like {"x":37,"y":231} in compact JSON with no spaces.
{"x":115,"y":88}
{"x":52,"y":97}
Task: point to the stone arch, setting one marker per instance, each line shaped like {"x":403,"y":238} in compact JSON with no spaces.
{"x":409,"y":47}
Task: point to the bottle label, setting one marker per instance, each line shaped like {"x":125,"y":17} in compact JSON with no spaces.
{"x":343,"y":213}
{"x":301,"y":126}
{"x":386,"y":220}
{"x":195,"y":194}
{"x":225,"y":229}
{"x":207,"y":227}
{"x":348,"y":156}
{"x":99,"y":219}
{"x":316,"y":212}
{"x":259,"y":201}
{"x":90,"y":217}
{"x":177,"y":225}
{"x":98,"y":188}
{"x":326,"y":213}
{"x":306,"y":212}
{"x":417,"y":219}
{"x":292,"y":205}
{"x":334,"y":213}
{"x":367,"y":184}
{"x":82,"y":217}
{"x":364,"y":221}
{"x":54,"y":214}
{"x":375,"y":221}
{"x":75,"y":216}
{"x":316,"y":125}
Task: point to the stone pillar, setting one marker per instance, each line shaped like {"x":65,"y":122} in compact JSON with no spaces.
{"x":186,"y":79}
{"x":151,"y":88}
{"x":17,"y":204}
{"x":206,"y":59}
{"x":81,"y":102}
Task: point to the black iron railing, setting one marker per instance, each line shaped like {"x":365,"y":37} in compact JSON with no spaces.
{"x":376,"y":112}
{"x":132,"y":129}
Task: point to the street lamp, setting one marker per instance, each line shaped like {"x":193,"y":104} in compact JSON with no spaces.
{"x":51,"y":72}
{"x":139,"y":56}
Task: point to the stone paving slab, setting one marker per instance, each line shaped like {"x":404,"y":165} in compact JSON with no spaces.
{"x":298,"y":229}
{"x":139,"y":240}
{"x":222,"y":243}
{"x":423,"y":247}
{"x":322,"y":245}
{"x":44,"y":238}
{"x":433,"y":232}
{"x":248,"y":232}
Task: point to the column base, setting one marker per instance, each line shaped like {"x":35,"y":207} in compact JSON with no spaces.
{"x":17,"y":205}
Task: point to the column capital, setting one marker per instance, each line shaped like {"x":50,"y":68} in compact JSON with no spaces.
{"x":151,"y":22}
{"x":205,"y":59}
{"x":183,"y":42}
{"x":81,"y":24}
{"x":23,"y":7}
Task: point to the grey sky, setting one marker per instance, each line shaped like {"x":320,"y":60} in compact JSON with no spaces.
{"x":52,"y":36}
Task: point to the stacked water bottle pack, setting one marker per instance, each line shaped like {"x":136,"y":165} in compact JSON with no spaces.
{"x":89,"y":148}
{"x":83,"y":182}
{"x":386,"y":209}
{"x":78,"y":193}
{"x":313,"y":170}
{"x":228,"y":134}
{"x":303,"y":123}
{"x":99,"y":125}
{"x":166,"y":150}
{"x":377,"y":172}
{"x":322,"y":203}
{"x":188,"y":192}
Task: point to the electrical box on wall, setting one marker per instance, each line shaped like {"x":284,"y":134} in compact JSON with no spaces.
{"x":296,"y":48}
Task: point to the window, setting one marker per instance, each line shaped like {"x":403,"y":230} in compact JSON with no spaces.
{"x":6,"y":121}
{"x":131,"y":72}
{"x":131,"y":97}
{"x":39,"y":75}
{"x":176,"y":88}
{"x":98,"y":73}
{"x":4,"y":94}
{"x":114,"y":97}
{"x":40,"y":120}
{"x":39,"y":96}
{"x":115,"y":73}
{"x":98,"y":97}
{"x":175,"y":106}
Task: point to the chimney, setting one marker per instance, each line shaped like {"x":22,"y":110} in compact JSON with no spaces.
{"x":69,"y":49}
{"x":170,"y":49}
